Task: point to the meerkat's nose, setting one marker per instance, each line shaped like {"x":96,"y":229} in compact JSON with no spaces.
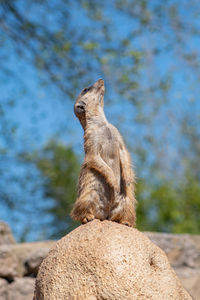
{"x":99,"y":83}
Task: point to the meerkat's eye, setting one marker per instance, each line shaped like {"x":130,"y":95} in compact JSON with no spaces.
{"x":85,"y":90}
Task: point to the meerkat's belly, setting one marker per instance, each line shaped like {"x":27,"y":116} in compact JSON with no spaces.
{"x":110,"y":152}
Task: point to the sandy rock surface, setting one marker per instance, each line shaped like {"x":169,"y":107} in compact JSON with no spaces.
{"x":20,"y":289}
{"x":183,"y":252}
{"x":106,"y":260}
{"x":6,"y":236}
{"x":9,"y":267}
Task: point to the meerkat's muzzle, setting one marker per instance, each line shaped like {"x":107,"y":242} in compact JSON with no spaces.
{"x":99,"y":84}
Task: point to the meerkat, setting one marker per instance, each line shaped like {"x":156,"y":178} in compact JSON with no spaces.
{"x":106,"y":181}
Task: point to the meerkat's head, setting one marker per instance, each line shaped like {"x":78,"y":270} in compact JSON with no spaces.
{"x":90,"y":101}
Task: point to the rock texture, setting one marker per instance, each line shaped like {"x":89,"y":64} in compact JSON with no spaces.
{"x":19,"y":262}
{"x":6,"y":236}
{"x":20,"y":289}
{"x":183,"y":251}
{"x":3,"y":289}
{"x":35,"y":258}
{"x":106,"y":260}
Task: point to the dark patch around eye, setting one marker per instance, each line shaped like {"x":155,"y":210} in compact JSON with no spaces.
{"x":85,"y":90}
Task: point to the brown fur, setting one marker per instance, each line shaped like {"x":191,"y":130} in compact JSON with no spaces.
{"x":106,"y":182}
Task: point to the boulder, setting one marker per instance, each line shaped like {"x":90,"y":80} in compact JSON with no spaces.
{"x":183,"y":252}
{"x":35,"y":258}
{"x":27,"y":252}
{"x":6,"y":236}
{"x":190,"y":279}
{"x":106,"y":260}
{"x":9,"y":263}
{"x":22,"y":259}
{"x":21,"y":289}
{"x":3,"y":289}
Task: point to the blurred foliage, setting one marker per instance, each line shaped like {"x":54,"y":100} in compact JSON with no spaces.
{"x":148,"y":53}
{"x":164,"y":206}
{"x":167,"y":207}
{"x":59,"y":166}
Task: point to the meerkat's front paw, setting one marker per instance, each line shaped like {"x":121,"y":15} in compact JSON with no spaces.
{"x":88,"y":218}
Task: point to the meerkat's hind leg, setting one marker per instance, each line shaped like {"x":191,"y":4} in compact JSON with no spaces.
{"x":86,"y":208}
{"x":83,"y":210}
{"x":124,"y":212}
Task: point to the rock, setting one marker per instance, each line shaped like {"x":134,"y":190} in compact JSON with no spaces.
{"x":14,"y":258}
{"x":3,"y":289}
{"x":106,"y":260}
{"x":190,"y":279}
{"x":35,"y":258}
{"x":193,"y":285}
{"x":6,"y":236}
{"x":182,"y":249}
{"x":24,"y":252}
{"x":9,"y":263}
{"x":21,"y":289}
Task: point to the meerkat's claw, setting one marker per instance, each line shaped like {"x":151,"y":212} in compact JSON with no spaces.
{"x":125,"y":223}
{"x":88,"y":218}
